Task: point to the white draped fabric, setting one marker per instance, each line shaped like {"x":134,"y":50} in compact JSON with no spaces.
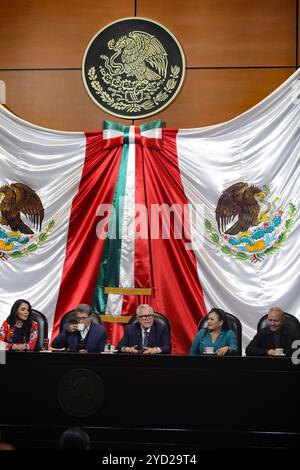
{"x":260,"y":147}
{"x":50,"y":162}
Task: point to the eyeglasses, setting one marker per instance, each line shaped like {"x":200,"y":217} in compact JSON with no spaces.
{"x":145,"y":317}
{"x":81,"y":318}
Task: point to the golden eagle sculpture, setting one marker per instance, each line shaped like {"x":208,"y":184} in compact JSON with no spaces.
{"x":136,"y":51}
{"x":239,"y":200}
{"x":18,"y":198}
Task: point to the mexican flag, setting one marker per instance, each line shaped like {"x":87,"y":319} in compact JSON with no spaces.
{"x":183,"y":220}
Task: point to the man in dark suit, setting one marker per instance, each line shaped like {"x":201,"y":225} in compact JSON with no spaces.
{"x":275,"y":336}
{"x":146,"y":335}
{"x":82,"y":336}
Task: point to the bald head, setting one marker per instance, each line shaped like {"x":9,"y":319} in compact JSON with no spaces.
{"x":275,"y":318}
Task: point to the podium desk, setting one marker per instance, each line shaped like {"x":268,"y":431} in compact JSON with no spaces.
{"x":121,"y":391}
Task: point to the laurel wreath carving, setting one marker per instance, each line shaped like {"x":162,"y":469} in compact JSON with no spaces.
{"x":226,"y":250}
{"x":32,"y":247}
{"x":114,"y":99}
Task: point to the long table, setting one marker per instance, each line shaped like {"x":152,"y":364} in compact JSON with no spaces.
{"x":120,"y":391}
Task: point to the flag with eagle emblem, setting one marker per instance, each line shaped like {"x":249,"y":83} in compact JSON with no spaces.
{"x":184,"y":220}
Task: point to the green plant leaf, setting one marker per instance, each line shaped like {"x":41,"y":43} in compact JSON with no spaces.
{"x":289,"y":224}
{"x":215,"y":239}
{"x":292,"y":208}
{"x":208,"y":225}
{"x":226,"y":250}
{"x":241,"y":256}
{"x":51,"y":224}
{"x":271,"y":251}
{"x":32,"y":248}
{"x":16,"y":254}
{"x":43,"y":237}
{"x":282,"y":238}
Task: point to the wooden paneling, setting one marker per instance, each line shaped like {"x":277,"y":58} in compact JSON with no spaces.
{"x":214,"y":33}
{"x":229,"y":32}
{"x":214,"y":96}
{"x":55,"y":99}
{"x":58,"y":100}
{"x":52,"y":33}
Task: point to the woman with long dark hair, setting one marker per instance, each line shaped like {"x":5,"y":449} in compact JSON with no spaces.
{"x":19,"y":331}
{"x":216,"y":338}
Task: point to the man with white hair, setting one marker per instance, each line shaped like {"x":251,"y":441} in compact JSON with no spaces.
{"x":146,"y":335}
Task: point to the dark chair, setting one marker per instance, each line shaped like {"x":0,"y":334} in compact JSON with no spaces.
{"x":70,"y":317}
{"x":42,"y":327}
{"x":289,"y":319}
{"x":233,"y":323}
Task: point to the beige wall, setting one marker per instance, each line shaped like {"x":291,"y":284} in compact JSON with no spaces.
{"x":236,"y":51}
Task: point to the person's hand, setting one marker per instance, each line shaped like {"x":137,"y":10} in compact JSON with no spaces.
{"x":271,"y":352}
{"x":82,"y":351}
{"x":222,"y":351}
{"x":18,"y":347}
{"x":72,"y":328}
{"x":151,"y":351}
{"x":132,"y":349}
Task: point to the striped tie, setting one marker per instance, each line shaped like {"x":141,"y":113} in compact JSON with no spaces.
{"x":146,"y":339}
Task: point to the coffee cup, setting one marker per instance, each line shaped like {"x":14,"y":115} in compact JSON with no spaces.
{"x":80,"y":326}
{"x":279,"y":351}
{"x":209,"y":350}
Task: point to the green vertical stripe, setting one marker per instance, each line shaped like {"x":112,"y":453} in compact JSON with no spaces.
{"x":109,"y":272}
{"x":113,"y":263}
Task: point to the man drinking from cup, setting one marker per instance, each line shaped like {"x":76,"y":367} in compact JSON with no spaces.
{"x":83,"y":334}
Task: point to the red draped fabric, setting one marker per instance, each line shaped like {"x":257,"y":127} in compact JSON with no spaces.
{"x":177,"y":290}
{"x":84,"y":248}
{"x":164,"y":264}
{"x":142,"y":263}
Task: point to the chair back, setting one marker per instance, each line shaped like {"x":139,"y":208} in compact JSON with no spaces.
{"x":290,"y":320}
{"x":70,"y":317}
{"x":42,"y":328}
{"x":233,"y":323}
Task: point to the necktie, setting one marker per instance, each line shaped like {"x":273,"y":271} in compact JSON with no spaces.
{"x":146,"y":339}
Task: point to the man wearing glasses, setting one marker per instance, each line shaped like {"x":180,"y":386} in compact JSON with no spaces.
{"x":146,"y":335}
{"x":83,"y":335}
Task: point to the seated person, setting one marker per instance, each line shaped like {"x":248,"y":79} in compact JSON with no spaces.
{"x":146,"y":335}
{"x":88,"y":337}
{"x":216,"y":336}
{"x":19,"y":331}
{"x":275,"y":335}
